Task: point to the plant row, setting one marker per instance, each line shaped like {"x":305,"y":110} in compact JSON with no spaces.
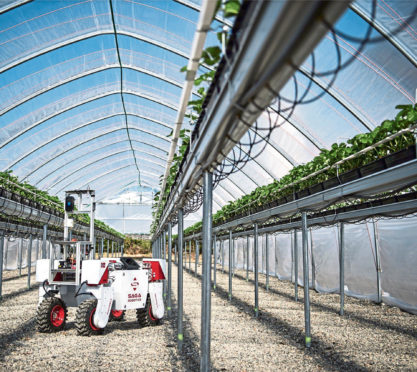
{"x":25,"y":193}
{"x":309,"y":178}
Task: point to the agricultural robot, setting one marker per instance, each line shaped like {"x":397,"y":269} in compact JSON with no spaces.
{"x":102,"y":289}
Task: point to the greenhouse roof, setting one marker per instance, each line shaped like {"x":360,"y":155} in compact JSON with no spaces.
{"x":90,"y":92}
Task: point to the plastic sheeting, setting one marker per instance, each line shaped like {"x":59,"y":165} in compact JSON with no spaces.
{"x":394,"y":239}
{"x":16,"y":250}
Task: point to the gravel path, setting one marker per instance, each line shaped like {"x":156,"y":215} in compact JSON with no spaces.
{"x":369,"y":337}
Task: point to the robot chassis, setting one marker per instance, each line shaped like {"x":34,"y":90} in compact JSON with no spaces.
{"x":102,"y":289}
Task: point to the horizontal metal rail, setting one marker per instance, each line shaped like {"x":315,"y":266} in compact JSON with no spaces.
{"x":389,"y":210}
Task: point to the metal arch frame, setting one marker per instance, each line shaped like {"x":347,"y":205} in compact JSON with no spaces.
{"x":235,"y":185}
{"x":194,"y":6}
{"x":117,"y":186}
{"x":100,"y":148}
{"x":14,"y":5}
{"x":379,"y":27}
{"x":89,"y":73}
{"x":308,"y":136}
{"x":109,"y":172}
{"x":338,"y":98}
{"x":227,"y":191}
{"x":83,"y":143}
{"x":66,"y":133}
{"x":87,"y":36}
{"x":107,"y":94}
{"x":241,"y":170}
{"x":96,"y":162}
{"x":277,"y":148}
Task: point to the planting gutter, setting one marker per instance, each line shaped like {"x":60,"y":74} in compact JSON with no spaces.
{"x":258,"y":69}
{"x":13,"y":208}
{"x":203,"y":26}
{"x":393,"y":209}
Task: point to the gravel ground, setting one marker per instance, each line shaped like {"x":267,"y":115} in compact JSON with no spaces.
{"x":369,"y":337}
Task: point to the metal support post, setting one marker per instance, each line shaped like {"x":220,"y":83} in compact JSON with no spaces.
{"x":306,"y":280}
{"x":295,"y":266}
{"x":206,"y":271}
{"x":164,"y":245}
{"x":377,"y":263}
{"x":101,"y":247}
{"x":222,"y":246}
{"x":255,"y":253}
{"x":169,"y":268}
{"x":230,"y":263}
{"x":313,"y":265}
{"x":30,"y":259}
{"x":112,"y":249}
{"x":215,"y":262}
{"x":164,"y":252}
{"x":108,"y":248}
{"x":247,"y":258}
{"x":267,"y":261}
{"x":1,"y":261}
{"x":342,"y":267}
{"x":37,"y":248}
{"x":20,"y":254}
{"x":189,"y":257}
{"x":176,"y":253}
{"x":44,"y":237}
{"x":197,"y":256}
{"x":122,"y":248}
{"x":180,"y":277}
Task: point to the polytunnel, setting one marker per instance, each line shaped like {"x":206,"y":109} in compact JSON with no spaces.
{"x":275,"y":139}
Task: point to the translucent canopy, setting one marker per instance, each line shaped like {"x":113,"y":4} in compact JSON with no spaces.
{"x":90,"y":91}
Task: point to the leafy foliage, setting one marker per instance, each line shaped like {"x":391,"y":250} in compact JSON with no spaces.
{"x":296,"y":180}
{"x":25,"y":190}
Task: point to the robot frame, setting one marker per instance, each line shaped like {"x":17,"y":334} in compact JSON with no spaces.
{"x":102,"y":289}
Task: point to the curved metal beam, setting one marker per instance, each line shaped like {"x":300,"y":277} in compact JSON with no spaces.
{"x":378,"y":26}
{"x":89,"y":73}
{"x":305,"y":134}
{"x":338,"y":98}
{"x":31,"y":151}
{"x":100,"y":148}
{"x":97,"y":161}
{"x":13,"y":5}
{"x":82,"y":143}
{"x":87,"y":36}
{"x":26,"y":129}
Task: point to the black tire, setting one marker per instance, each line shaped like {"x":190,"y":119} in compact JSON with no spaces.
{"x":84,"y":319}
{"x":52,"y":315}
{"x":145,"y":317}
{"x":117,"y":316}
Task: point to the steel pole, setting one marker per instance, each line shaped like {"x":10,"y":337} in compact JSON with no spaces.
{"x":169,"y":268}
{"x":30,"y":259}
{"x":306,"y":280}
{"x":189,"y":257}
{"x":342,"y":267}
{"x":176,"y":254}
{"x":247,"y":258}
{"x":164,"y":243}
{"x":180,"y":278}
{"x":222,"y":246}
{"x":206,"y":271}
{"x":20,"y":254}
{"x":295,"y":266}
{"x":267,"y":261}
{"x":377,"y":263}
{"x":44,"y":237}
{"x":215,"y":262}
{"x":101,"y":247}
{"x":255,"y":253}
{"x":230,"y":264}
{"x":197,"y":256}
{"x":37,"y":248}
{"x":1,"y":261}
{"x":164,"y":252}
